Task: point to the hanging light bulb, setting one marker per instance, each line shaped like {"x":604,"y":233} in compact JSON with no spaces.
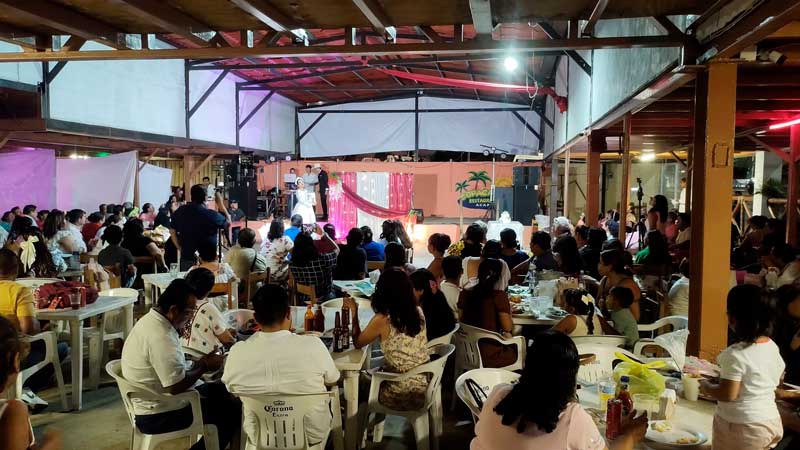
{"x":510,"y":63}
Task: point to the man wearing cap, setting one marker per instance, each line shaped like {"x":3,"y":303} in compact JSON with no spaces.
{"x":322,"y":177}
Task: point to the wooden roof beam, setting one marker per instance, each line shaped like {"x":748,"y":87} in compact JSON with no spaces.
{"x":170,"y":19}
{"x":56,"y":16}
{"x":481,"y":11}
{"x":271,"y":16}
{"x":377,"y":17}
{"x":474,"y":47}
{"x":597,"y":12}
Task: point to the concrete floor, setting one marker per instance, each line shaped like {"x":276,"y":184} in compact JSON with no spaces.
{"x":103,"y":425}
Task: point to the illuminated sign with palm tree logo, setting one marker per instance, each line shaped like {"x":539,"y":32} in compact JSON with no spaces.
{"x":480,"y":196}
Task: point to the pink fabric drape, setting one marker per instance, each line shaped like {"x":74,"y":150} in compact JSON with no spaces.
{"x":344,"y":207}
{"x":343,"y":213}
{"x":560,"y":101}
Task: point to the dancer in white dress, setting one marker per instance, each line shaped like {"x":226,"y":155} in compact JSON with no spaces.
{"x":305,"y":203}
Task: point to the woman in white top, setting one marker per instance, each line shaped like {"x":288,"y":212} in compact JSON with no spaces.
{"x":15,"y":426}
{"x":583,"y":320}
{"x":747,"y":416}
{"x":678,"y":304}
{"x":59,"y":238}
{"x":223,"y":272}
{"x":470,"y":265}
{"x":305,"y":203}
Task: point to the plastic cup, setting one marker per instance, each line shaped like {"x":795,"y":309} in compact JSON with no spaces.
{"x":645,"y":403}
{"x":691,"y":388}
{"x":605,"y":391}
{"x":174,"y":269}
{"x":75,"y":300}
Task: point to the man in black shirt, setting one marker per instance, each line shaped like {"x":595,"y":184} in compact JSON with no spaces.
{"x":194,"y":224}
{"x":323,"y":190}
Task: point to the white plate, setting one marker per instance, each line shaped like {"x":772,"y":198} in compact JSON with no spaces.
{"x":674,"y":435}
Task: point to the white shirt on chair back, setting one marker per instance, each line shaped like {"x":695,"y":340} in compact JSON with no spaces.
{"x":152,"y":356}
{"x":282,"y":363}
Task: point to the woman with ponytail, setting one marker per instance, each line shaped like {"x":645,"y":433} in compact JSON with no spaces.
{"x":484,"y":306}
{"x":542,"y":411}
{"x":582,"y":320}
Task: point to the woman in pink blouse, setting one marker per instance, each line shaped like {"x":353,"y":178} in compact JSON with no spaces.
{"x":542,"y":411}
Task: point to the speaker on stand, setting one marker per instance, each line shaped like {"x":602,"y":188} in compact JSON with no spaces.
{"x":526,"y":193}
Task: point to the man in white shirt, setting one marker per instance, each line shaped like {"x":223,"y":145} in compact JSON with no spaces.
{"x":76,"y":218}
{"x":276,"y":361}
{"x":210,"y":188}
{"x":153,"y":356}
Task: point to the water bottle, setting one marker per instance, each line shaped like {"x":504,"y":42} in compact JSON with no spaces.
{"x":532,"y":278}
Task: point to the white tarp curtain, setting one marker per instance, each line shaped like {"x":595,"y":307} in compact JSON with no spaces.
{"x":155,"y":185}
{"x":86,"y":183}
{"x":363,"y":132}
{"x":373,"y":187}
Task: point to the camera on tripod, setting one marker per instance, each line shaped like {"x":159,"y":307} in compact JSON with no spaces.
{"x":640,"y":191}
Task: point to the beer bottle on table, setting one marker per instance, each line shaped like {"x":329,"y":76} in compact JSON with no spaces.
{"x":356,"y":326}
{"x":337,"y":333}
{"x":308,"y":322}
{"x":345,"y":328}
{"x":319,"y":320}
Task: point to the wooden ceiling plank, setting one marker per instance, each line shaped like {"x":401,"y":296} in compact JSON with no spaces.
{"x":61,"y":18}
{"x":269,"y":15}
{"x":474,"y":47}
{"x":375,"y":15}
{"x":170,"y":19}
{"x":481,"y":11}
{"x":597,"y":12}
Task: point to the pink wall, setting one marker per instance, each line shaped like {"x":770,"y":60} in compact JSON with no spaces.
{"x":434,"y":189}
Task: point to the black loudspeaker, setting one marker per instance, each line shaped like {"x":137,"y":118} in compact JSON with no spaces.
{"x":526,"y":203}
{"x":245,"y":193}
{"x":527,"y":176}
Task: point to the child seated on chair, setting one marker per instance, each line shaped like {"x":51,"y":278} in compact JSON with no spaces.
{"x":619,"y":301}
{"x":116,"y":255}
{"x":208,"y":328}
{"x":15,"y":426}
{"x":450,"y":286}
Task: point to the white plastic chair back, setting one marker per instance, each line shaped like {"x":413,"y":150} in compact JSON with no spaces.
{"x":280,"y":419}
{"x":677,"y":323}
{"x":337,"y":303}
{"x":50,"y":339}
{"x":238,"y":318}
{"x":446,"y":339}
{"x":616,"y":341}
{"x":468,"y":355}
{"x":34,"y":283}
{"x":487,"y":379}
{"x":140,"y":441}
{"x":602,"y":367}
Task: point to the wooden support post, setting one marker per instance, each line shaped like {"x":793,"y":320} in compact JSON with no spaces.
{"x":187,"y":176}
{"x":625,"y":183}
{"x":566,"y":185}
{"x":794,"y":181}
{"x":712,"y":178}
{"x":149,"y":158}
{"x":597,"y":145}
{"x":136,"y":181}
{"x":553,"y":209}
{"x":200,"y":166}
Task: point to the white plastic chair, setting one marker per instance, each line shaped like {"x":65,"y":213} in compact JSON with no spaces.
{"x":468,"y":355}
{"x":487,"y":379}
{"x":602,"y":367}
{"x":140,"y":441}
{"x":616,"y":341}
{"x":50,"y":339}
{"x":110,"y":326}
{"x":677,"y":323}
{"x":281,"y":424}
{"x":446,"y":339}
{"x":423,"y":419}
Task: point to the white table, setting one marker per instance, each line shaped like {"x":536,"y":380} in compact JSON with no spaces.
{"x":75,"y":317}
{"x":154,"y":283}
{"x":352,"y":288}
{"x":697,"y":415}
{"x":349,"y":363}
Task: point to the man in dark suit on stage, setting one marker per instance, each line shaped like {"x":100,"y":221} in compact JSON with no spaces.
{"x":323,"y":190}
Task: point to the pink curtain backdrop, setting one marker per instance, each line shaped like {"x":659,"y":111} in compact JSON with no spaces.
{"x":345,"y":204}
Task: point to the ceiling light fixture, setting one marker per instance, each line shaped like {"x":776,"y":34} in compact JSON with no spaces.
{"x":647,"y":157}
{"x":510,"y":63}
